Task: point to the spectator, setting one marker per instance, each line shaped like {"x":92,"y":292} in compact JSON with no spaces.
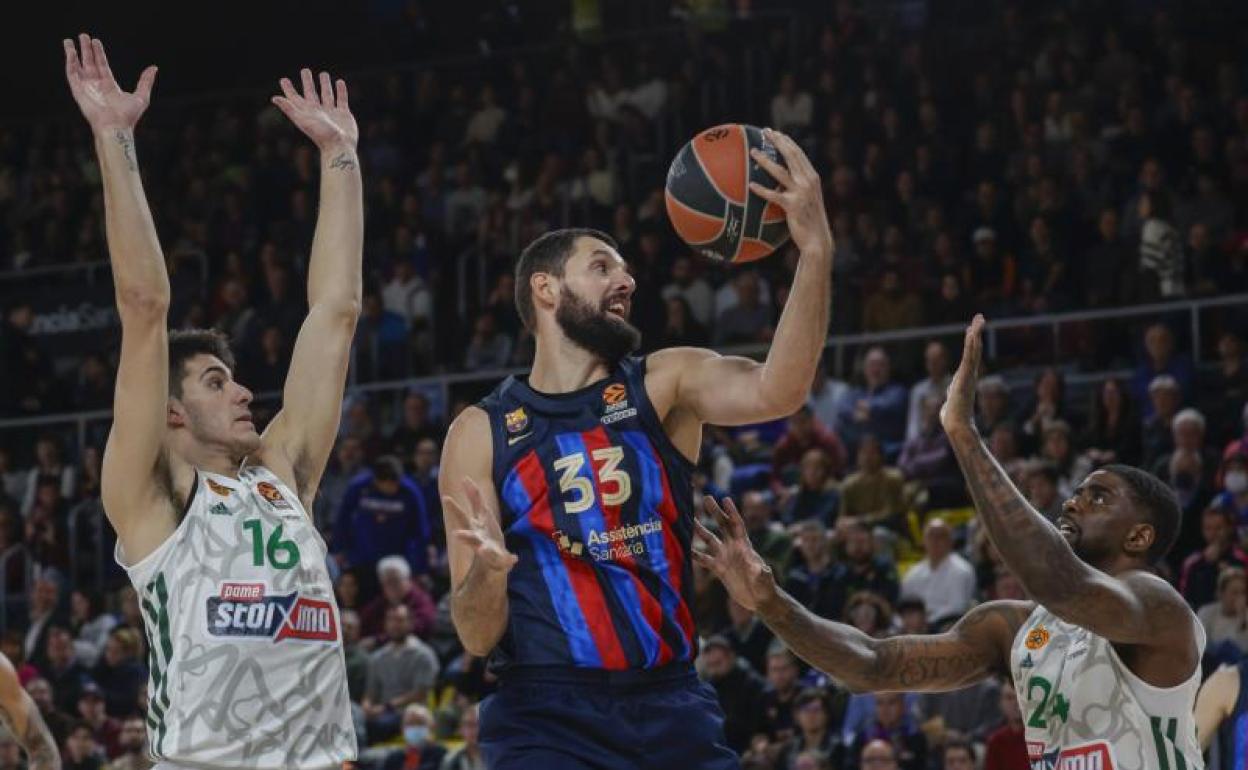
{"x":891,"y":306}
{"x":81,"y":752}
{"x":379,"y":351}
{"x":89,"y":624}
{"x":49,"y":468}
{"x":783,"y":687}
{"x":1161,"y":250}
{"x":958,"y":753}
{"x":993,"y":274}
{"x":394,"y":575}
{"x":425,"y":465}
{"x":356,"y":657}
{"x":816,"y":731}
{"x":133,"y":743}
{"x":58,"y":721}
{"x":348,"y":462}
{"x":421,"y":750}
{"x":803,"y":433}
{"x":943,"y":579}
{"x":748,"y":635}
{"x":747,"y":320}
{"x":469,"y":755}
{"x":792,"y":111}
{"x":42,"y":616}
{"x":928,"y":459}
{"x":993,"y":404}
{"x":401,"y":671}
{"x":1226,"y":620}
{"x":1161,"y":359}
{"x":1111,"y":435}
{"x":67,"y":676}
{"x":862,"y":570}
{"x":407,"y":296}
{"x":813,"y":582}
{"x":1158,"y":435}
{"x":484,"y":125}
{"x":489,"y":348}
{"x":877,"y":408}
{"x":415,"y":426}
{"x":971,"y":711}
{"x":680,"y":329}
{"x":1006,"y":749}
{"x":816,"y":496}
{"x":686,"y":284}
{"x":889,"y":728}
{"x":1057,"y":450}
{"x":104,"y":729}
{"x":1225,"y":390}
{"x":383,"y":513}
{"x":1048,"y":406}
{"x":738,"y":688}
{"x":1042,"y":483}
{"x":771,"y":542}
{"x":1003,"y":443}
{"x":1198,"y":579}
{"x":873,"y":493}
{"x":120,"y":672}
{"x":1190,"y":467}
{"x":825,"y":396}
{"x":935,"y":383}
{"x":1106,"y":264}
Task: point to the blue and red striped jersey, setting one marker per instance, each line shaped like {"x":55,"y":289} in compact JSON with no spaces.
{"x":598,"y":505}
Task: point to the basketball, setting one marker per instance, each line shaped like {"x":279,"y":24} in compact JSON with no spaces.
{"x":709,"y":200}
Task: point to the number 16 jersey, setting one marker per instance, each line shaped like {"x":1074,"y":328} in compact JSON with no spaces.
{"x":597,"y":504}
{"x":244,"y":646}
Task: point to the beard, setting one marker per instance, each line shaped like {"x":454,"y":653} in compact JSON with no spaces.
{"x":595,"y":330}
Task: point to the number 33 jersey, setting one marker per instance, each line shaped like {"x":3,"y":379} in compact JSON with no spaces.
{"x":597,"y":504}
{"x":1083,"y":709}
{"x":245,"y":648}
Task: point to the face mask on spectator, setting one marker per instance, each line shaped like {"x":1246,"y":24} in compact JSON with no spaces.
{"x":1236,"y":482}
{"x":415,"y":735}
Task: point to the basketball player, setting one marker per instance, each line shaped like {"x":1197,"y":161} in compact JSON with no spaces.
{"x":1106,"y":661}
{"x":568,"y":495}
{"x":246,"y":655}
{"x":20,"y":717}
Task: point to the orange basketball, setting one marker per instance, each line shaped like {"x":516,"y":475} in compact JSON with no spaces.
{"x":709,"y":199}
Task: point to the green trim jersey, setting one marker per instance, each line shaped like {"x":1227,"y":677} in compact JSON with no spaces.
{"x":245,"y":648}
{"x":1083,"y":709}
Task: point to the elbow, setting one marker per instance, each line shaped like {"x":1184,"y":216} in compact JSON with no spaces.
{"x":345,"y":311}
{"x":142,"y":302}
{"x":784,"y":402}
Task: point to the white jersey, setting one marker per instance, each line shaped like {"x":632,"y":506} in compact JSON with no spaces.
{"x":1083,"y":709}
{"x":246,"y":659}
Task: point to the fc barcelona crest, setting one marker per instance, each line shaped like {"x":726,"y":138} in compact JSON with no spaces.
{"x":516,"y":420}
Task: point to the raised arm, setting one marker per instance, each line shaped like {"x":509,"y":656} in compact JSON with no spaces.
{"x":731,"y":390}
{"x":479,"y":559}
{"x":141,"y":284}
{"x":1136,"y":608}
{"x":298,"y":441}
{"x":20,"y":716}
{"x":978,"y":646}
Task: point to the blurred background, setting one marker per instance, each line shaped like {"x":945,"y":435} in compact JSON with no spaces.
{"x":1077,"y":171}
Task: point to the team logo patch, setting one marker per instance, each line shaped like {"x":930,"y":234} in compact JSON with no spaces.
{"x":272,"y":495}
{"x":614,"y":394}
{"x":219,"y":489}
{"x":1037,"y":638}
{"x":248,"y":611}
{"x":516,"y":420}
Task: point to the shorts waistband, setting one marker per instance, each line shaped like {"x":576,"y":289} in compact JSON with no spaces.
{"x":599,"y":678}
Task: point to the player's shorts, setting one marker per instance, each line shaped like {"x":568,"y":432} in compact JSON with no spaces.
{"x":555,"y":718}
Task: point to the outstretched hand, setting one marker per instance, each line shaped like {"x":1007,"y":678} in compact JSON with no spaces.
{"x":800,"y":193}
{"x":105,"y":106}
{"x":959,"y":408}
{"x":732,"y":558}
{"x":324,"y":116}
{"x":483,"y":534}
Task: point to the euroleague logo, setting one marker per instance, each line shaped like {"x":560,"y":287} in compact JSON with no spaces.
{"x":271,"y":495}
{"x":615,"y":404}
{"x":1037,"y":638}
{"x":247,"y":611}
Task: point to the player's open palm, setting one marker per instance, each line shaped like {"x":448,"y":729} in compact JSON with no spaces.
{"x":481,"y":531}
{"x":105,"y":106}
{"x":732,"y":558}
{"x":800,"y":193}
{"x":324,"y":115}
{"x":959,"y":407}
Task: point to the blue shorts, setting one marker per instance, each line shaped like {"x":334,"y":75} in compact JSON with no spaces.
{"x":580,"y":719}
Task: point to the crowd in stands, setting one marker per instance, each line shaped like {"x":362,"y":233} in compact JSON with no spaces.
{"x":1062,"y":159}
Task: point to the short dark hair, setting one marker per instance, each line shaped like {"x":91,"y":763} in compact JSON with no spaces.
{"x":1160,"y":504}
{"x":185,"y":344}
{"x":548,"y":254}
{"x":954,"y":741}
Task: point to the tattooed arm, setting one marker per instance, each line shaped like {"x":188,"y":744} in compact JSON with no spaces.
{"x":297,"y":443}
{"x":20,"y":716}
{"x":1134,"y":607}
{"x":979,"y":645}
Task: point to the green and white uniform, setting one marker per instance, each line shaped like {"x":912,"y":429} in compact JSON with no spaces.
{"x":245,"y":646}
{"x":1083,"y":709}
